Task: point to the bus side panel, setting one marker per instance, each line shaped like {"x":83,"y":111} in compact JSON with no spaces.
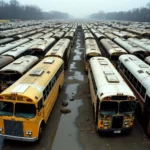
{"x":93,"y":96}
{"x":51,"y":99}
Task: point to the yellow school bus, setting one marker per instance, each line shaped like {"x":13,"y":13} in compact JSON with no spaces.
{"x":26,"y":105}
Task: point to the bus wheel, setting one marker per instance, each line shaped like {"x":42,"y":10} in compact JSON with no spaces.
{"x":41,"y":131}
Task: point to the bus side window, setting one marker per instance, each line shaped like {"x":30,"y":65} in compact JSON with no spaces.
{"x":131,"y":78}
{"x":143,"y":92}
{"x":121,"y":66}
{"x":138,"y":86}
{"x":40,"y":105}
{"x":47,"y":91}
{"x":49,"y":86}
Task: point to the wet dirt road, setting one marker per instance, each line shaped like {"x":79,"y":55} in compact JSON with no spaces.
{"x":76,"y":130}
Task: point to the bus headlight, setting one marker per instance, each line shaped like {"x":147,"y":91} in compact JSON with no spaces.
{"x":28,"y":132}
{"x":1,"y":129}
{"x":106,"y":124}
{"x":127,"y":122}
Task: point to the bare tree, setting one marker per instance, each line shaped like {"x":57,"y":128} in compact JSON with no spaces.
{"x":14,"y":10}
{"x":137,"y":14}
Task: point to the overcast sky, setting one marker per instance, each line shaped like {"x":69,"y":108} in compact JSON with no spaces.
{"x":81,"y":8}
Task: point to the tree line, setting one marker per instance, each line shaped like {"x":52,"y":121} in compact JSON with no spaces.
{"x":137,"y":14}
{"x":14,"y":10}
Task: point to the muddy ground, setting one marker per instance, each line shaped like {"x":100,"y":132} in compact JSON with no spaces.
{"x":76,"y":130}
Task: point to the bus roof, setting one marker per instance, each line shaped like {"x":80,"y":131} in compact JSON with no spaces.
{"x":88,"y":35}
{"x":112,"y":47}
{"x":32,"y":84}
{"x":20,"y":65}
{"x":108,"y":81}
{"x":129,"y":46}
{"x":69,"y":35}
{"x":138,"y":68}
{"x":92,"y":47}
{"x":143,"y":43}
{"x":43,"y":44}
{"x":15,"y":52}
{"x":4,"y":48}
{"x":4,"y":60}
{"x":59,"y":48}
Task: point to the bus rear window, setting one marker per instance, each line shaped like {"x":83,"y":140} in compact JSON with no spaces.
{"x":25,"y":110}
{"x":88,"y":57}
{"x":6,"y":108}
{"x":119,"y":98}
{"x":15,"y":77}
{"x":4,"y":77}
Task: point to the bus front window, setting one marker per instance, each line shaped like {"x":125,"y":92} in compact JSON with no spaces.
{"x":25,"y":110}
{"x":109,"y":108}
{"x":127,"y":107}
{"x":6,"y":108}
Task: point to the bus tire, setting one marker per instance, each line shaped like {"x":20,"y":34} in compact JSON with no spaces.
{"x":41,"y":131}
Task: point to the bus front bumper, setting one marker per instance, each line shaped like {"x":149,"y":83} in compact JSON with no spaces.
{"x":16,"y":138}
{"x":122,"y":130}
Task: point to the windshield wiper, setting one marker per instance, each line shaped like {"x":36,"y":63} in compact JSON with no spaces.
{"x":5,"y":114}
{"x":109,"y":112}
{"x":22,"y":116}
{"x":124,"y":112}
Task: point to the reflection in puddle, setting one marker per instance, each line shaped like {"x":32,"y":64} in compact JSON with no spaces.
{"x":77,"y":76}
{"x":71,"y":90}
{"x":78,"y":52}
{"x":67,"y":133}
{"x":72,"y":65}
{"x":77,"y":57}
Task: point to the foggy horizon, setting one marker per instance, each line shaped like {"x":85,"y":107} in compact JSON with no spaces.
{"x":81,"y":9}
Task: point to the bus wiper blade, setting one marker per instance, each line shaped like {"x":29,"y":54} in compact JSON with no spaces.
{"x":22,"y":117}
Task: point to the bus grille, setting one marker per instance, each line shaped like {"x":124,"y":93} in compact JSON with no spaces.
{"x":117,"y":122}
{"x":14,"y":128}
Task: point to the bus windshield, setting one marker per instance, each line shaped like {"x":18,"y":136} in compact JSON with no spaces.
{"x":127,"y":106}
{"x":25,"y":110}
{"x":109,"y":108}
{"x":6,"y":108}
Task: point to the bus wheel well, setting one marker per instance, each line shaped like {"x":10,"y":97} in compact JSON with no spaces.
{"x":41,"y":130}
{"x":42,"y":123}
